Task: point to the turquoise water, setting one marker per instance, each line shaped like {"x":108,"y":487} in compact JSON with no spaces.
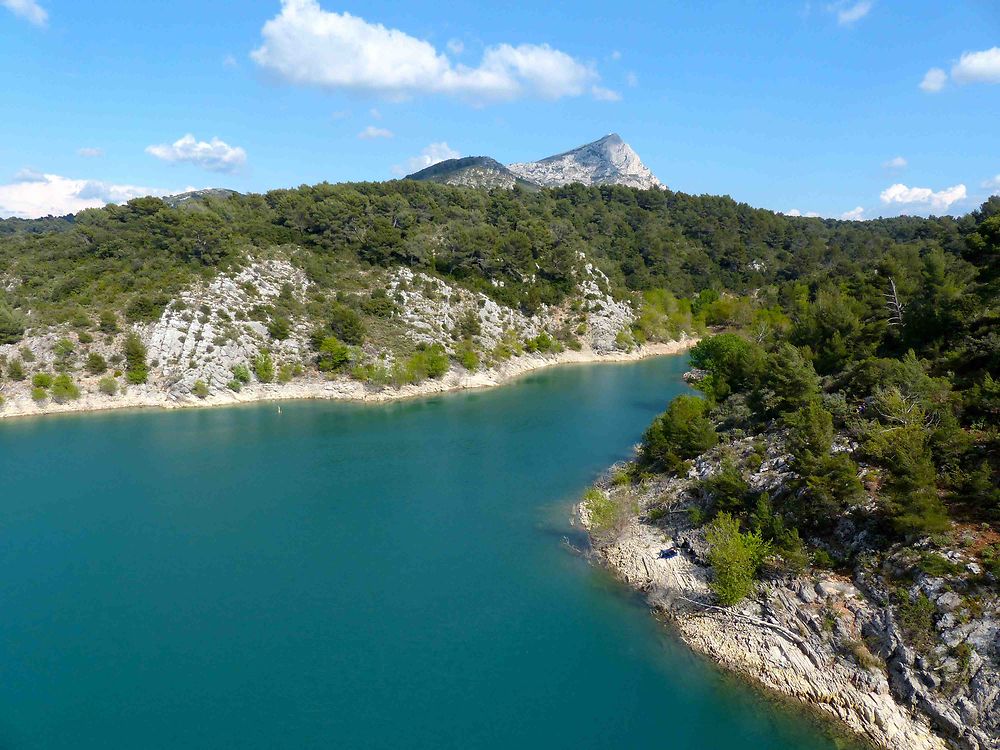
{"x":343,"y":576}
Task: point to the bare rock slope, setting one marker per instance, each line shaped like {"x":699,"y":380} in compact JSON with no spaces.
{"x":608,"y":161}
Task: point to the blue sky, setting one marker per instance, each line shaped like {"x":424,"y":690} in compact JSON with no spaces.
{"x":826,"y":107}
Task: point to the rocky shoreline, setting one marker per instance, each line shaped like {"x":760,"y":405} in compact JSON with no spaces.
{"x":339,"y":389}
{"x":817,"y":638}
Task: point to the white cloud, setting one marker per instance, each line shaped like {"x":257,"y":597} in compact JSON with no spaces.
{"x":372,"y":132}
{"x":375,"y":113}
{"x":29,"y":10}
{"x":215,"y":155}
{"x":978,"y":67}
{"x":307,"y":45}
{"x":934,"y":80}
{"x":992,"y":183}
{"x":432,"y":154}
{"x":939,"y":200}
{"x":456,"y":46}
{"x":33,"y":194}
{"x":632,"y":80}
{"x":602,"y":94}
{"x":848,"y":13}
{"x":855,"y":214}
{"x":896,"y":162}
{"x":616,"y":55}
{"x":796,"y":212}
{"x":90,"y":153}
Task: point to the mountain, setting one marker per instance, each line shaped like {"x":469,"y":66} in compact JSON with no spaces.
{"x":608,"y":161}
{"x":197,"y":196}
{"x":471,"y":171}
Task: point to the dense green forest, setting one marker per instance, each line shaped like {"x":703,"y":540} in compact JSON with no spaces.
{"x":521,"y":248}
{"x":893,"y":364}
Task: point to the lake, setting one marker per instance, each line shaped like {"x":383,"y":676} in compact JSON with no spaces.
{"x":343,"y":575}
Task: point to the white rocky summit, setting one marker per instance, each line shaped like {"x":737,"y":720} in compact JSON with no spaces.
{"x":608,"y":161}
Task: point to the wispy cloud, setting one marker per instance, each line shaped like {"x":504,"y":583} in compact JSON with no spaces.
{"x":373,"y":132}
{"x":938,"y":200}
{"x":431,"y":154}
{"x":849,"y":13}
{"x":215,"y":155}
{"x":29,"y":10}
{"x":90,"y":153}
{"x":306,"y":45}
{"x":33,"y":194}
{"x":855,"y":214}
{"x":796,"y":212}
{"x":602,"y":94}
{"x":896,"y":162}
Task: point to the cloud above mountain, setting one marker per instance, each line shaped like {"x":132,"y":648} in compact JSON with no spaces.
{"x":32,"y":194}
{"x":306,"y":45}
{"x":215,"y":155}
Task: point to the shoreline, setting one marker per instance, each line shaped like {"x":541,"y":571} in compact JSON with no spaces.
{"x":774,"y":641}
{"x":339,"y":389}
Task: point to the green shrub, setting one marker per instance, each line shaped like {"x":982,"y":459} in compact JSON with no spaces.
{"x":235,"y":385}
{"x":279,"y":328}
{"x":727,"y":488}
{"x":108,"y":322}
{"x":200,"y":389}
{"x":241,"y":373}
{"x":680,"y":433}
{"x":63,"y":351}
{"x":735,"y":558}
{"x":39,"y":394}
{"x":12,"y":325}
{"x":41,"y":380}
{"x":333,"y":355}
{"x":64,"y":389}
{"x":379,"y":304}
{"x":347,"y":324}
{"x":108,"y":386}
{"x":96,"y":364}
{"x":467,"y":355}
{"x":541,"y":343}
{"x":286,"y":372}
{"x":134,"y":352}
{"x":263,"y":367}
{"x":84,"y":337}
{"x":16,"y":371}
{"x":916,"y":618}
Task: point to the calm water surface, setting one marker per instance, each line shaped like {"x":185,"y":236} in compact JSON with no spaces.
{"x":344,"y":576}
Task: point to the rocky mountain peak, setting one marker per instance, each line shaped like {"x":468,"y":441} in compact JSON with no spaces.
{"x":606,"y":161}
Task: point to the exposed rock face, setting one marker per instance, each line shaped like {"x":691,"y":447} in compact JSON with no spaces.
{"x":834,"y":643}
{"x":471,"y":171}
{"x":194,"y":196}
{"x":205,"y":333}
{"x":215,"y":326}
{"x":608,"y":161}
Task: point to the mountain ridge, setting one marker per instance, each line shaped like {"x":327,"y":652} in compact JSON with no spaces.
{"x":607,"y":161}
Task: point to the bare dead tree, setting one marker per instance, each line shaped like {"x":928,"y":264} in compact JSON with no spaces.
{"x":893,"y":304}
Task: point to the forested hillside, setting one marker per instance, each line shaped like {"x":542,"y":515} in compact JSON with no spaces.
{"x":840,"y":470}
{"x":680,"y":262}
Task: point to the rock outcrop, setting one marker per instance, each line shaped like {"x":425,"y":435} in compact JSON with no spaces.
{"x":832,"y":642}
{"x":608,"y":161}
